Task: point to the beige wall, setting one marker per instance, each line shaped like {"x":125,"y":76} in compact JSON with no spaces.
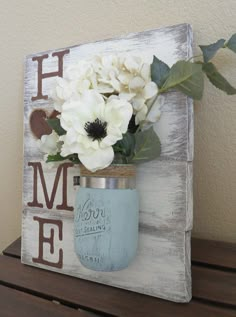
{"x":28,"y":26}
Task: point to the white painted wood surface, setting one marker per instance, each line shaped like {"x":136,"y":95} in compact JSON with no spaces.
{"x":158,"y":269}
{"x":162,"y":266}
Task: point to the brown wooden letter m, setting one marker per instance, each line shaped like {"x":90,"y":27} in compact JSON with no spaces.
{"x":38,"y":170}
{"x":42,"y":75}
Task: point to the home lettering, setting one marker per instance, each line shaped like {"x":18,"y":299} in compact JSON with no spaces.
{"x":38,"y":171}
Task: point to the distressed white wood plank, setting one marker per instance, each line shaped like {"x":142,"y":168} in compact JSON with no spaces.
{"x":161,"y":267}
{"x":169,"y":44}
{"x":165,"y":190}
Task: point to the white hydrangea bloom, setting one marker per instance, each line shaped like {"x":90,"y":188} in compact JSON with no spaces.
{"x":61,"y":91}
{"x":77,"y":79}
{"x":49,"y":144}
{"x":125,"y":76}
{"x":107,"y":71}
{"x":92,"y":127}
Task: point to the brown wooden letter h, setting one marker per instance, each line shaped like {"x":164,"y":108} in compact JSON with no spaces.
{"x":42,"y":75}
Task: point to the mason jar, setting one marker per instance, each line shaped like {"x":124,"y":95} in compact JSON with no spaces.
{"x":106,"y":218}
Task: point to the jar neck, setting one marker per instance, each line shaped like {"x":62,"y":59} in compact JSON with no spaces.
{"x":107,"y":182}
{"x":116,"y":170}
{"x":112,"y":177}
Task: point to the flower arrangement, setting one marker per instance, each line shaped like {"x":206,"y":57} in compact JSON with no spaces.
{"x":107,"y":106}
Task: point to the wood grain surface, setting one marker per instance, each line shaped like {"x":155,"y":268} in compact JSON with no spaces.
{"x":15,"y":303}
{"x":110,"y":300}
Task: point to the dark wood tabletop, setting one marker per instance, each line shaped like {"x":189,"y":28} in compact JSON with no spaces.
{"x":28,"y":291}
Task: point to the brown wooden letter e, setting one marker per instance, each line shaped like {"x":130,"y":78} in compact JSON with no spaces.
{"x":42,"y":75}
{"x":50,"y":241}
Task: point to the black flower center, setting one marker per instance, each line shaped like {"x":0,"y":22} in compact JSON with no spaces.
{"x":96,"y":130}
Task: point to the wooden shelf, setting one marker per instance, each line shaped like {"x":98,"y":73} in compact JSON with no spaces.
{"x":28,"y":291}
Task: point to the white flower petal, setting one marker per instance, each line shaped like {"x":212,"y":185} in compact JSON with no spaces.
{"x":126,"y":96}
{"x":138,"y":103}
{"x":98,"y":159}
{"x":91,"y":98}
{"x":146,"y":72}
{"x":141,"y":115}
{"x":113,"y":136}
{"x":125,"y":77}
{"x":133,"y":64}
{"x":155,"y":112}
{"x":49,"y":143}
{"x":150,"y":90}
{"x":105,"y":88}
{"x":118,"y":114}
{"x":60,"y":92}
{"x":136,"y":83}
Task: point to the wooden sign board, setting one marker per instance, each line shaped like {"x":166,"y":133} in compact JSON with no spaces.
{"x":162,"y":265}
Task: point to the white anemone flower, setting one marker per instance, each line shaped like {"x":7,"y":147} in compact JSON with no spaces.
{"x":49,"y":144}
{"x":92,"y":127}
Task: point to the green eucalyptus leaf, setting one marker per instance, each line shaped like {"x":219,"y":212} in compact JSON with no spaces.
{"x":73,"y":158}
{"x":119,"y":159}
{"x":186,"y":77}
{"x":55,"y":158}
{"x":126,"y":145}
{"x":217,"y":79}
{"x":147,"y":146}
{"x":209,"y":51}
{"x":159,"y":71}
{"x":231,"y":44}
{"x":56,"y":126}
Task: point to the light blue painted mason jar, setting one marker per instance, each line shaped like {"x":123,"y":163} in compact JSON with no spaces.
{"x":106,"y":218}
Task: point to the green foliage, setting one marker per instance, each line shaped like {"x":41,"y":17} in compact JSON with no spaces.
{"x":159,"y":71}
{"x":217,"y":79}
{"x":56,"y":126}
{"x":209,"y":51}
{"x":125,"y":147}
{"x":55,"y":158}
{"x":119,"y":159}
{"x":147,"y":146}
{"x":186,"y":77}
{"x":58,"y":158}
{"x":231,"y":44}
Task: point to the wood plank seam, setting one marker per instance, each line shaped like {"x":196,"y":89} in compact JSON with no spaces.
{"x":88,"y":309}
{"x":214,"y":303}
{"x":51,"y":298}
{"x":214,"y":266}
{"x":75,"y":305}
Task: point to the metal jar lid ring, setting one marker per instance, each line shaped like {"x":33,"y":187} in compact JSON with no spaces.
{"x":107,"y":182}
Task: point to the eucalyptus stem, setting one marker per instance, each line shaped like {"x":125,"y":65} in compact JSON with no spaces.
{"x":195,"y":56}
{"x":150,"y":108}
